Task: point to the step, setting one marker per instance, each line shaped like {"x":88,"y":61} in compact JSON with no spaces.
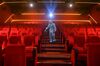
{"x":48,"y":34}
{"x":53,"y":50}
{"x":51,"y":43}
{"x":52,"y":46}
{"x":45,"y":41}
{"x":47,"y":37}
{"x":57,"y":33}
{"x":54,"y":55}
{"x":54,"y":63}
{"x":45,"y":59}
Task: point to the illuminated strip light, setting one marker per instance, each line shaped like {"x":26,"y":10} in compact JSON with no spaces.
{"x":33,"y":22}
{"x":33,"y":14}
{"x":9,"y":18}
{"x":22,"y":20}
{"x":76,"y":23}
{"x":64,"y":2}
{"x":43,"y":21}
{"x":18,"y":2}
{"x":48,"y":20}
{"x":54,"y":14}
{"x":98,"y":3}
{"x":2,"y":3}
{"x":93,"y":19}
{"x":67,"y":14}
{"x":88,"y":2}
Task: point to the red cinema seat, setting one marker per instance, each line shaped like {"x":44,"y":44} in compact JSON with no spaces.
{"x":29,"y":45}
{"x":93,"y":39}
{"x":80,"y":45}
{"x":23,"y":32}
{"x":14,"y":55}
{"x":29,"y":40}
{"x":14,"y":33}
{"x":79,"y":40}
{"x":14,"y":40}
{"x":0,"y":54}
{"x":71,"y":39}
{"x":6,"y":29}
{"x":3,"y":41}
{"x":14,"y":29}
{"x":3,"y":35}
{"x":93,"y":54}
{"x":37,"y":39}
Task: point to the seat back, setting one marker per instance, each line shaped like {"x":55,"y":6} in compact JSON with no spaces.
{"x":14,"y":39}
{"x":14,"y":55}
{"x":93,"y":54}
{"x":80,"y":41}
{"x":28,"y":40}
{"x":0,"y":55}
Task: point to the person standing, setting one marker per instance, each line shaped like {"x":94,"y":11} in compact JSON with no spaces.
{"x":52,"y":29}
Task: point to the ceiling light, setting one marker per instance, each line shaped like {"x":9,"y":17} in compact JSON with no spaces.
{"x":31,"y":5}
{"x":70,"y":5}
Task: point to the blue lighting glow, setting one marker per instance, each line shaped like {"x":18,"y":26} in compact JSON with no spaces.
{"x":50,"y":9}
{"x":51,"y":15}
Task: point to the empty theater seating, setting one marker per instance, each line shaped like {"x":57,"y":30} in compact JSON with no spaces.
{"x":14,"y":40}
{"x":80,"y":37}
{"x":92,"y":36}
{"x":0,"y":54}
{"x":93,"y":54}
{"x":18,"y":44}
{"x":24,"y":41}
{"x":14,"y":37}
{"x":77,"y":37}
{"x":29,"y":45}
{"x":14,"y":55}
{"x":14,"y":51}
{"x":3,"y":36}
{"x":98,"y":31}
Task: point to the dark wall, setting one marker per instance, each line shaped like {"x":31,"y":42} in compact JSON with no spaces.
{"x":95,"y":13}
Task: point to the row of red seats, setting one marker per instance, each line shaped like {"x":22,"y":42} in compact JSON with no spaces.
{"x":92,"y":36}
{"x":21,"y":34}
{"x":97,"y":29}
{"x":93,"y":54}
{"x":76,"y":37}
{"x":89,"y":33}
{"x":79,"y":37}
{"x":17,"y":44}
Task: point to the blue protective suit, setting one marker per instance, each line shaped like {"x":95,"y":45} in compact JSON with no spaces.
{"x":52,"y":29}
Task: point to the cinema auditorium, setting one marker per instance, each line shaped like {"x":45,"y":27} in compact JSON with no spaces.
{"x":27,"y":28}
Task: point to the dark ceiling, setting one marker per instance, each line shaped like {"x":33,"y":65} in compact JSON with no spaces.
{"x":55,"y":0}
{"x":62,"y":6}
